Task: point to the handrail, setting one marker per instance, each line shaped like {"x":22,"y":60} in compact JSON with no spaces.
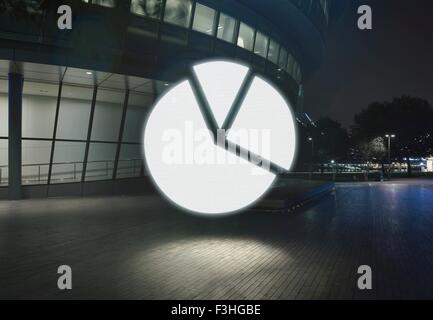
{"x":71,"y":162}
{"x":39,"y":177}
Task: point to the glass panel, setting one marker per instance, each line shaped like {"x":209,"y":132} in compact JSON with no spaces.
{"x":4,"y":112}
{"x":290,"y":64}
{"x":130,"y":161}
{"x":178,"y":12}
{"x":204,"y":19}
{"x":36,"y":161}
{"x":274,"y":48}
{"x":39,"y":109}
{"x":226,"y":28}
{"x":147,"y":8}
{"x":138,"y":107}
{"x":74,"y":113}
{"x":101,"y":161}
{"x":261,"y":45}
{"x":298,"y":76}
{"x":3,"y":162}
{"x":246,"y":37}
{"x":108,"y":113}
{"x":105,"y":3}
{"x":282,"y":61}
{"x":324,"y":5}
{"x":68,"y":162}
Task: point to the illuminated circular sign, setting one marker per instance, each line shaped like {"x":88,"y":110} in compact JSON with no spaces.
{"x":214,"y":142}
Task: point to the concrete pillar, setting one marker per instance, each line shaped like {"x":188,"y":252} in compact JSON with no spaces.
{"x":15,"y":93}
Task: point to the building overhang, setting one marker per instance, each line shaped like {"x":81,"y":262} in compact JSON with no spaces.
{"x":292,"y":21}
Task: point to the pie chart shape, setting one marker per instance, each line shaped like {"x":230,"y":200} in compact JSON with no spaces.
{"x":264,"y":109}
{"x":185,"y":162}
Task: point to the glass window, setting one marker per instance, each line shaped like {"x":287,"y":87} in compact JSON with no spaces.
{"x":105,"y":3}
{"x":282,"y":61}
{"x":4,"y":132}
{"x":295,"y":71}
{"x":4,"y":162}
{"x":35,"y":161}
{"x":4,"y":108}
{"x":226,"y":28}
{"x":39,"y":109}
{"x":246,"y":37}
{"x":100,"y":163}
{"x":148,"y":8}
{"x":274,"y":48}
{"x":74,"y":113}
{"x":289,"y":66}
{"x":324,"y":5}
{"x":178,"y":12}
{"x":298,"y":76}
{"x":138,"y":108}
{"x":130,"y":161}
{"x":261,"y":44}
{"x":108,"y":113}
{"x":68,"y":162}
{"x":204,"y":19}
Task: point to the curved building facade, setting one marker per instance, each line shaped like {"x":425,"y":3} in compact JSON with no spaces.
{"x":73,"y":102}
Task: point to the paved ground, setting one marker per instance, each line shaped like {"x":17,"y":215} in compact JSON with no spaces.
{"x":139,"y":247}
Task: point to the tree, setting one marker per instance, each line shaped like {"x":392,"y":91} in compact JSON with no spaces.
{"x":333,"y":142}
{"x":22,"y":9}
{"x":372,"y":150}
{"x":409,"y":118}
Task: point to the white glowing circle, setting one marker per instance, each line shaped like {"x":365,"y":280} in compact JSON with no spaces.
{"x":265,"y":108}
{"x":220,"y":89}
{"x":190,"y":168}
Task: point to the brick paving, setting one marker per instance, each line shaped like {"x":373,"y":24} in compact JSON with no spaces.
{"x":142,"y":248}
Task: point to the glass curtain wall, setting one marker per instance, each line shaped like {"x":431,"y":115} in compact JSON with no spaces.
{"x":88,"y":136}
{"x":131,"y":153}
{"x":103,"y":3}
{"x":38,"y":115}
{"x":180,"y":13}
{"x":204,"y":19}
{"x":3,"y":132}
{"x":147,"y":8}
{"x":228,"y":29}
{"x":71,"y":135}
{"x":246,"y":37}
{"x":261,"y":45}
{"x":105,"y":130}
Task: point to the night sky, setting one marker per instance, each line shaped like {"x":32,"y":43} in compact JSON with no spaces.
{"x":393,"y":59}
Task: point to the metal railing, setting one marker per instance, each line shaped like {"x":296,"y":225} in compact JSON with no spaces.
{"x":71,"y":171}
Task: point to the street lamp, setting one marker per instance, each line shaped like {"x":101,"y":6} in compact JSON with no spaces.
{"x":333,"y":170}
{"x":312,"y":156}
{"x":389,"y":136}
{"x":312,"y":148}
